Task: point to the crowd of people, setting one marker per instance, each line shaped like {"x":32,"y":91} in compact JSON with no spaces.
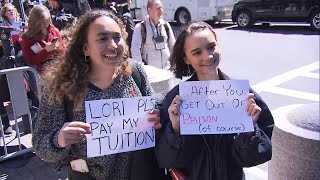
{"x":92,"y":60}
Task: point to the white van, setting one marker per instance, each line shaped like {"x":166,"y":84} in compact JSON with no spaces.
{"x":184,"y":11}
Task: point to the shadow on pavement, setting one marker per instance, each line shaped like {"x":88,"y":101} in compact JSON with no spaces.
{"x":219,"y":25}
{"x":11,"y":149}
{"x":18,"y":161}
{"x":281,"y":29}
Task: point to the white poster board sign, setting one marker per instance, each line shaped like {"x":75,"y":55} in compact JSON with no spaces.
{"x":214,"y":107}
{"x":119,"y":125}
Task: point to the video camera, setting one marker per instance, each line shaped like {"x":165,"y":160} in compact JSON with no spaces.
{"x":6,"y":30}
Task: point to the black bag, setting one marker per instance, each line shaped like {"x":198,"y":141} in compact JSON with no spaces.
{"x":129,"y":28}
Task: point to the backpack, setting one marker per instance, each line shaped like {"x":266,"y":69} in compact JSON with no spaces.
{"x":144,"y":36}
{"x":130,"y":24}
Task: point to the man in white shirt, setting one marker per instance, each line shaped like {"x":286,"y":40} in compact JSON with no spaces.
{"x":153,"y":38}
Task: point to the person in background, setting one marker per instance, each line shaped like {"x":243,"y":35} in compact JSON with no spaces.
{"x":221,"y":156}
{"x":95,"y":67}
{"x":153,"y":38}
{"x":3,"y":2}
{"x":4,"y":96}
{"x":41,"y":42}
{"x":11,"y":18}
{"x":60,"y":18}
{"x":74,"y":7}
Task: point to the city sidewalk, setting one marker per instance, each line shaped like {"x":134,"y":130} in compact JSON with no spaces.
{"x":26,"y":166}
{"x":32,"y":167}
{"x":29,"y":167}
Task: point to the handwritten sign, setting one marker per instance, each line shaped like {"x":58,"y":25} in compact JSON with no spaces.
{"x":119,"y":125}
{"x":214,"y":107}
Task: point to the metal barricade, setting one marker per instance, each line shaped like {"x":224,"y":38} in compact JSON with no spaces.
{"x":20,"y":106}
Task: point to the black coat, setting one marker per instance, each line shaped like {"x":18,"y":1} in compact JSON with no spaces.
{"x":143,"y":166}
{"x":216,"y":157}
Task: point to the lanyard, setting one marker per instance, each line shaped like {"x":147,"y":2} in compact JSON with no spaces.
{"x":155,"y":29}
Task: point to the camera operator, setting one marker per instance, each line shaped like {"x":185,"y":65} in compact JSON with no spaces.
{"x":11,"y":18}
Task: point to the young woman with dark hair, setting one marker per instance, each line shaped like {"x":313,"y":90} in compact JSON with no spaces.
{"x":196,"y":53}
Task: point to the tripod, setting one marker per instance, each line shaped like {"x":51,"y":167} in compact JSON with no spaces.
{"x":8,"y":61}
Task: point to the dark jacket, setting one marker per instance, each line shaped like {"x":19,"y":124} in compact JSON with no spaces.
{"x":60,"y":18}
{"x":75,"y":7}
{"x":213,"y":157}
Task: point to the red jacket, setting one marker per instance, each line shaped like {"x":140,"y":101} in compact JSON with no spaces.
{"x":42,"y":57}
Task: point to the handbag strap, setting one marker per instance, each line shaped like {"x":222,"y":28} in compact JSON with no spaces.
{"x":176,"y":174}
{"x":68,"y":105}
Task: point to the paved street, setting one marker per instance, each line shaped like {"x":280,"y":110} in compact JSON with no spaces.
{"x":281,"y":63}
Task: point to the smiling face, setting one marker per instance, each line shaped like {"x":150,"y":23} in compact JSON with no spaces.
{"x":202,"y":52}
{"x":105,"y":45}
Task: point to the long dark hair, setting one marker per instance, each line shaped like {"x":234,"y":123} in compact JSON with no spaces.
{"x":177,"y":58}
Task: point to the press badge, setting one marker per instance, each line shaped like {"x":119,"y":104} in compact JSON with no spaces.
{"x":159,"y":42}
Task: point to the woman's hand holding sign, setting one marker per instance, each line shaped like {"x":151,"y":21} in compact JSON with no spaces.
{"x":73,"y":132}
{"x":174,"y":114}
{"x":252,"y":108}
{"x":155,"y":117}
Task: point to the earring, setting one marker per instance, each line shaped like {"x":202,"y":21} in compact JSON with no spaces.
{"x":86,"y":58}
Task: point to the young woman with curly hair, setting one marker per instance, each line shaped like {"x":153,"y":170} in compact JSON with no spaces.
{"x":219,"y":156}
{"x":95,"y":67}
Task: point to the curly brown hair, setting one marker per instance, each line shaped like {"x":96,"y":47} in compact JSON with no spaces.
{"x":68,"y":76}
{"x":177,"y":58}
{"x":4,"y":9}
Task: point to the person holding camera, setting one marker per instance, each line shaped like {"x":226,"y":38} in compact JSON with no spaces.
{"x":11,"y":18}
{"x":153,"y":38}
